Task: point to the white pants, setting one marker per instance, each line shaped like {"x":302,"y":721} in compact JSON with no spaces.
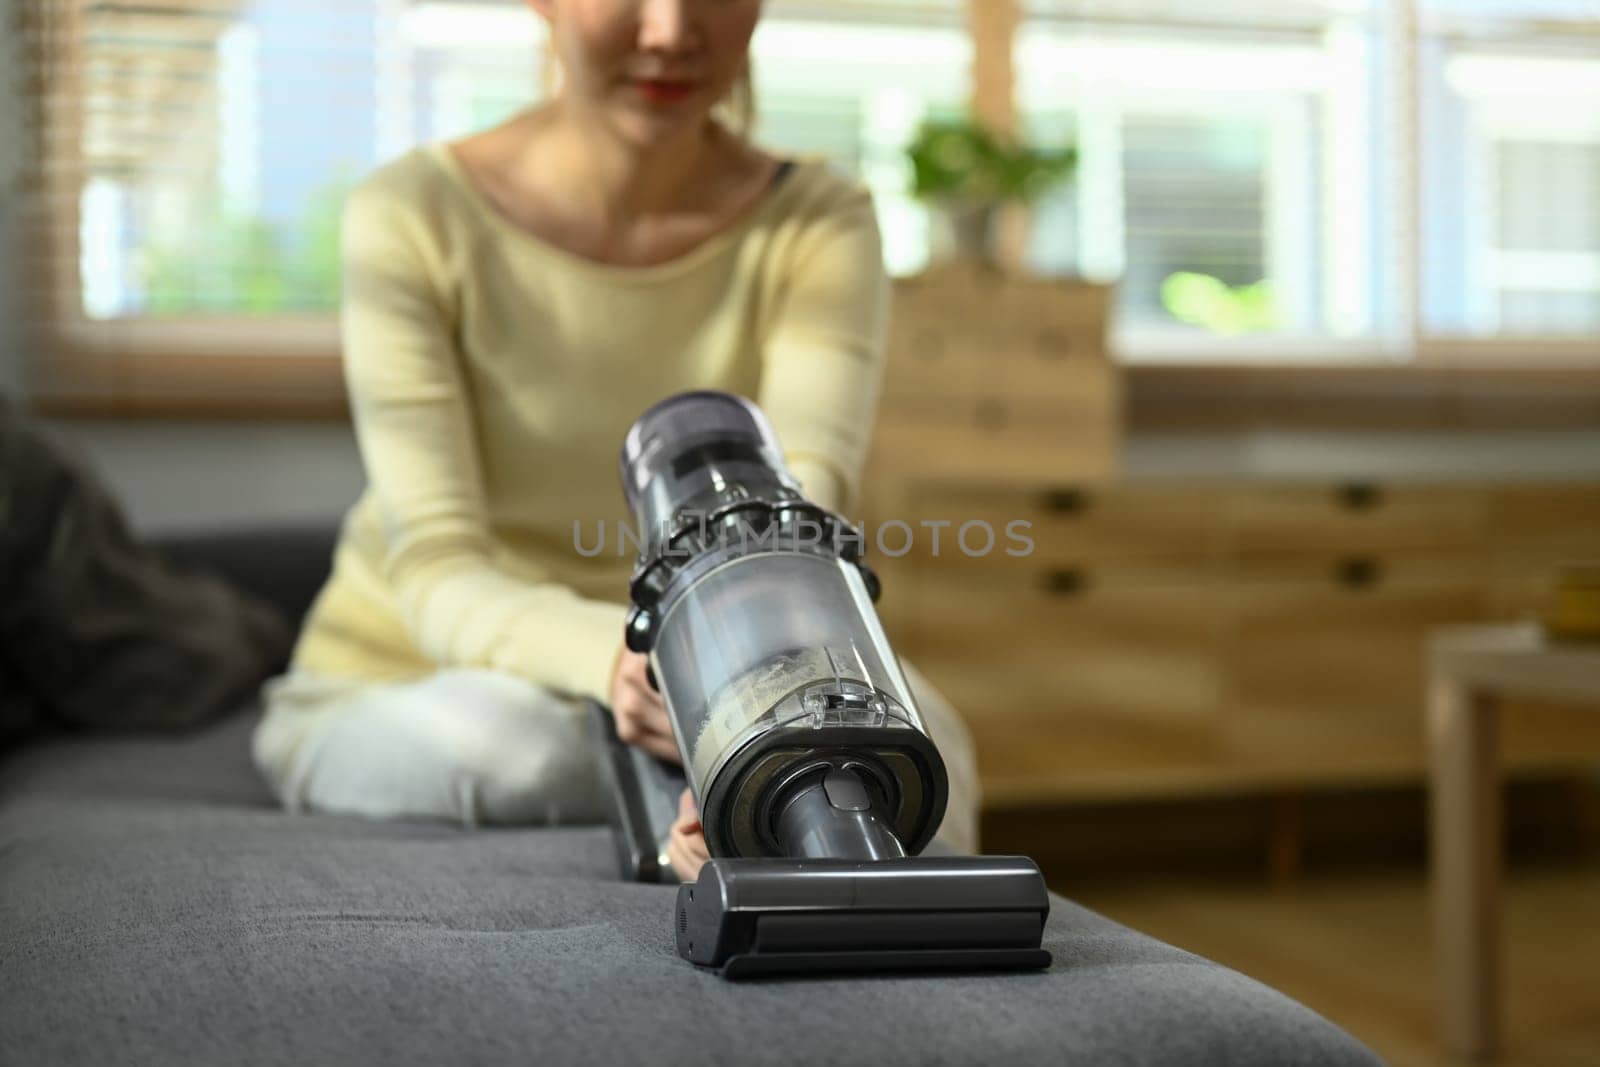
{"x":479,"y":746}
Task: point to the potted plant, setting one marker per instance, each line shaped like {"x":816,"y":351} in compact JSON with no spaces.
{"x":971,"y":171}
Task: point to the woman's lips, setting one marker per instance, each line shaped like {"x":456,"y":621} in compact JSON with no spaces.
{"x":663,"y":91}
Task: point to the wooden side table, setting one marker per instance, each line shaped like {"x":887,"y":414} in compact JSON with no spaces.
{"x":1470,"y":669}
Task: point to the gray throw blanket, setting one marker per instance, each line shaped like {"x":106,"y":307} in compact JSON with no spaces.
{"x":97,"y":631}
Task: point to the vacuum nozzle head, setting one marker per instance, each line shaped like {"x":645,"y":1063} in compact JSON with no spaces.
{"x":768,"y":918}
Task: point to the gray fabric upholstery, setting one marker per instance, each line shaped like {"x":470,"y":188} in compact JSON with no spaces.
{"x":156,"y":909}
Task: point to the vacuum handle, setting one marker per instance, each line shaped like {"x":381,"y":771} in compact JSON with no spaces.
{"x":643,"y":793}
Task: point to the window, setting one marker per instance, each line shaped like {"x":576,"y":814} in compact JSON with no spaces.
{"x":887,"y":67}
{"x":1511,"y":108}
{"x":1323,"y":176}
{"x":1271,"y":180}
{"x":1226,"y":162}
{"x":226,"y":197}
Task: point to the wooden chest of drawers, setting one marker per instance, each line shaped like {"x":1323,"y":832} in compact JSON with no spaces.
{"x":1180,"y":638}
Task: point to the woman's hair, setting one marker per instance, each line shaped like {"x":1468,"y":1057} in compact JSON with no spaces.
{"x":736,"y":110}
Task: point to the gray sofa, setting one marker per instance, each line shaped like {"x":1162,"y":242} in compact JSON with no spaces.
{"x":155,"y":908}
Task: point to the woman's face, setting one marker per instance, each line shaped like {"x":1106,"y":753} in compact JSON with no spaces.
{"x":651,"y":67}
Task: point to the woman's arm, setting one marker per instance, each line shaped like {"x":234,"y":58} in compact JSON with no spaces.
{"x":417,"y":441}
{"x":823,"y":364}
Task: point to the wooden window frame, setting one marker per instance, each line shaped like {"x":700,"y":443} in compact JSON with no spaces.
{"x":229,"y":366}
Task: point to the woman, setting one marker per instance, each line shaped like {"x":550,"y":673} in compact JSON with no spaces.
{"x":513,"y":301}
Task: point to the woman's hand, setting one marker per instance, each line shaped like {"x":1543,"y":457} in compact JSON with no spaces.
{"x":686,"y":844}
{"x":639,"y":710}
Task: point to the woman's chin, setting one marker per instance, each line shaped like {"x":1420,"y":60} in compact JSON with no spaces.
{"x":647,"y":125}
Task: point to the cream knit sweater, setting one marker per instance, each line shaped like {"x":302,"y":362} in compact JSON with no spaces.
{"x":492,"y":376}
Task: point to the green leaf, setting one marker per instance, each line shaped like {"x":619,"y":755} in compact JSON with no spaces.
{"x":1210,"y":303}
{"x":961,"y":159}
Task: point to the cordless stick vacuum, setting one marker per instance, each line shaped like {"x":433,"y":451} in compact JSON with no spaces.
{"x":815,"y":777}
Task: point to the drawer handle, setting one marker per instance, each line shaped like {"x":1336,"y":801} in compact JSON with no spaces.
{"x":1065,"y":501}
{"x":1359,"y":572}
{"x":1064,"y":581}
{"x":1360,"y":496}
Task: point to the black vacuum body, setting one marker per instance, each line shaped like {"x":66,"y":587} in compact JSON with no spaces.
{"x":816,"y":779}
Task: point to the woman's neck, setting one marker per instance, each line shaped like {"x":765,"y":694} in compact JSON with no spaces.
{"x":611,"y":182}
{"x":575,"y":184}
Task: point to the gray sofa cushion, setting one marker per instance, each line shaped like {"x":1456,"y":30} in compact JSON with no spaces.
{"x":155,"y":908}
